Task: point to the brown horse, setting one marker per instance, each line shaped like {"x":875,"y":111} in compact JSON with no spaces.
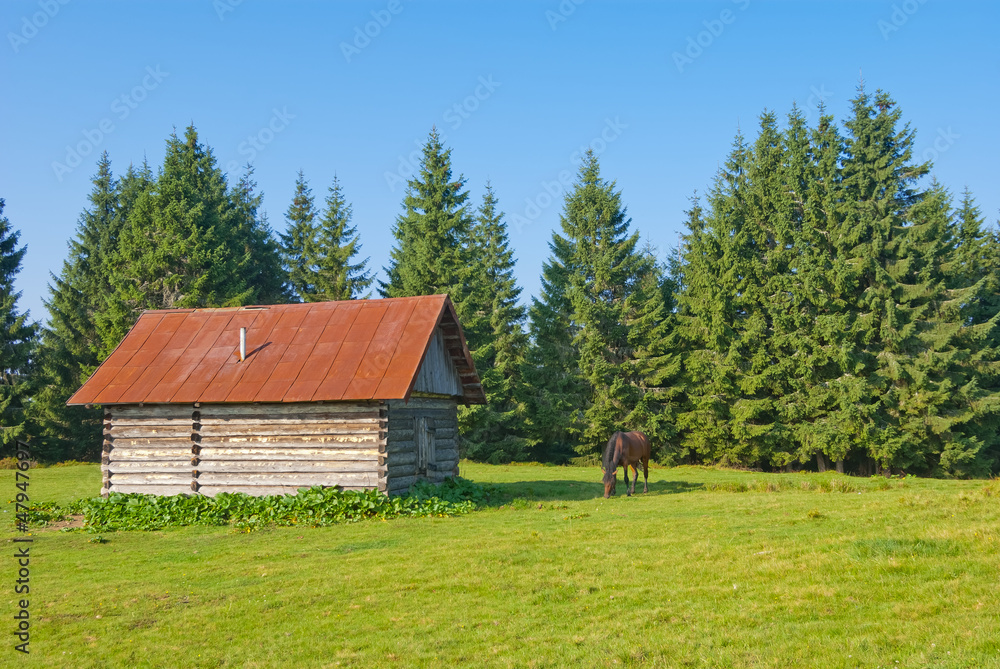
{"x":625,"y":449}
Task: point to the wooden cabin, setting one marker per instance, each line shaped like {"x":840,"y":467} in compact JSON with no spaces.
{"x":263,"y":400}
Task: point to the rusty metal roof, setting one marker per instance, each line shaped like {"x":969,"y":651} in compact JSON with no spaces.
{"x":319,"y":351}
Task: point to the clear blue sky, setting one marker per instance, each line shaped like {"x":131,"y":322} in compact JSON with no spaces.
{"x":558,"y":77}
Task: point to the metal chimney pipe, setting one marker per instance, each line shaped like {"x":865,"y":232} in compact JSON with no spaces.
{"x":243,"y":344}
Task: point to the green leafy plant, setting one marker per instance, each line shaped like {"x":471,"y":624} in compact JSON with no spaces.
{"x":313,"y":507}
{"x":43,"y":513}
{"x":455,"y":489}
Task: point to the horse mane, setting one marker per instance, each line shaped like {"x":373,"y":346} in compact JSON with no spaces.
{"x":609,"y":451}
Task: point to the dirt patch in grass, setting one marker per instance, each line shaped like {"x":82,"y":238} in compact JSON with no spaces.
{"x":74,"y":522}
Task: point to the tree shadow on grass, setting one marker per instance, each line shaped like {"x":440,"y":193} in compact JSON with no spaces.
{"x":568,"y":490}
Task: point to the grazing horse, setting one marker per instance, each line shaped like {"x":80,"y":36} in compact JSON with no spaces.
{"x":625,"y":449}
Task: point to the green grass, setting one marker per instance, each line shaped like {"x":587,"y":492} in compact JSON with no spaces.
{"x":60,"y":484}
{"x":711,"y":568}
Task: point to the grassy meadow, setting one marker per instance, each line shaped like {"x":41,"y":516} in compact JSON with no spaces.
{"x":711,"y":568}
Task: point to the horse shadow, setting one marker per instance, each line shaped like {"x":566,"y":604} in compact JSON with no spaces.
{"x":573,"y":490}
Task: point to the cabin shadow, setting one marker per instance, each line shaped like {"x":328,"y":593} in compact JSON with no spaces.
{"x":583,"y":490}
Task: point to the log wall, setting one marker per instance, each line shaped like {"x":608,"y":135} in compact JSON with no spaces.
{"x":258,"y":449}
{"x":424,"y":421}
{"x":147,"y":449}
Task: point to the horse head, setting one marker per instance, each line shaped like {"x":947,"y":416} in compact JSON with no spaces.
{"x":610,"y":482}
{"x":609,"y":464}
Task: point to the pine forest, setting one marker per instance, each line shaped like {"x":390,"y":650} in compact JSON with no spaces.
{"x":828,"y":304}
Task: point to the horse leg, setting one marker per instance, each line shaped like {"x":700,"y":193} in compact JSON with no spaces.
{"x":635,"y":478}
{"x":645,"y":475}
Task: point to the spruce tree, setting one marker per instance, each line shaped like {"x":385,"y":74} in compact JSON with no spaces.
{"x":925,"y":402}
{"x":494,"y":431}
{"x":17,"y":341}
{"x":951,"y":404}
{"x":136,"y":182}
{"x":611,"y":286}
{"x":429,"y":255}
{"x":879,"y":189}
{"x":709,"y":316}
{"x":599,"y":330}
{"x":972,"y":254}
{"x":978,"y":265}
{"x":181,"y":245}
{"x":554,"y":389}
{"x":298,"y":240}
{"x":338,"y":275}
{"x":260,"y":266}
{"x":318,"y":250}
{"x":702,"y":330}
{"x":768,"y":304}
{"x":820,"y":409}
{"x":70,"y":344}
{"x":655,"y":352}
{"x":752,"y":330}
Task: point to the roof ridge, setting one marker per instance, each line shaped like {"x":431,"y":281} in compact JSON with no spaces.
{"x":287,"y":305}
